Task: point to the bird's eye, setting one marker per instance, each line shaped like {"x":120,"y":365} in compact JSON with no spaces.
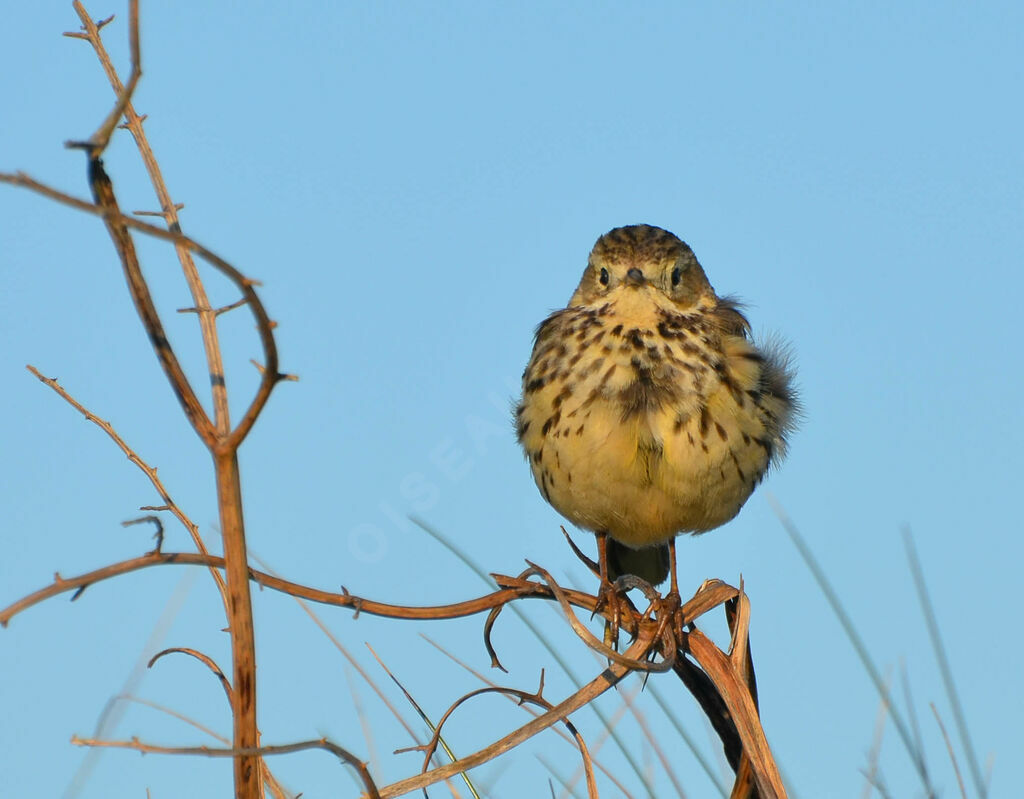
{"x":604,"y":277}
{"x":677,"y":275}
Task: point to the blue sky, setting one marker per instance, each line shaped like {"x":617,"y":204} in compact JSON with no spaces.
{"x":417,"y":185}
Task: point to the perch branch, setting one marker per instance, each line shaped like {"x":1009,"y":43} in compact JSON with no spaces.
{"x":62,"y":585}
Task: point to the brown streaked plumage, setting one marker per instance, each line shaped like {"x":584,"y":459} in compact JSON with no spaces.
{"x":647,"y":410}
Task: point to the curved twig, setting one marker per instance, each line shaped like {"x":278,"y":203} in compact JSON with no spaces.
{"x":169,"y":213}
{"x":98,"y":142}
{"x":344,"y":599}
{"x":206,"y":660}
{"x":145,"y":468}
{"x":705,"y":599}
{"x":634,"y":664}
{"x":258,"y":751}
{"x":608,"y":773}
{"x":271,"y":375}
{"x":536,"y":698}
{"x":605,"y":680}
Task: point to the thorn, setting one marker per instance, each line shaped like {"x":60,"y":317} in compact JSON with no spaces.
{"x":78,"y":145}
{"x":164,"y":214}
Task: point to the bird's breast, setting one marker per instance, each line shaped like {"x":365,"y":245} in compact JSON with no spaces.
{"x":639,"y":424}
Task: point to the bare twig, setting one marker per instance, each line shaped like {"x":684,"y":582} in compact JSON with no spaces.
{"x":222,"y":444}
{"x":264,"y":325}
{"x":434,"y":730}
{"x":260,"y":751}
{"x":271,"y":781}
{"x":522,"y":697}
{"x":455,"y":610}
{"x":206,"y":660}
{"x":156,"y":522}
{"x":348,"y":656}
{"x":608,"y":678}
{"x":554,"y":651}
{"x":169,"y":212}
{"x":101,"y":138}
{"x":561,"y":734}
{"x":145,"y":468}
{"x":636,"y":664}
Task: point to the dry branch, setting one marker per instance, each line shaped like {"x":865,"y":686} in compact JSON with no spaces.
{"x":663,"y":635}
{"x":257,"y":752}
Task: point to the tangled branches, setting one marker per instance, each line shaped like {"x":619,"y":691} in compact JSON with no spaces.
{"x":664,"y":638}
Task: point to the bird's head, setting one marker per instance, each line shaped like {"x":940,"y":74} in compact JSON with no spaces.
{"x":642,"y":258}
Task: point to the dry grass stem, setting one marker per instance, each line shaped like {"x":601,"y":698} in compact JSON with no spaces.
{"x":915,"y":753}
{"x":941,"y":658}
{"x":876,"y":743}
{"x":949,"y":748}
{"x":434,"y":730}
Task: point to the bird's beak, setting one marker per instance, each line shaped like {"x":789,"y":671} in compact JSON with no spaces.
{"x":634,"y":277}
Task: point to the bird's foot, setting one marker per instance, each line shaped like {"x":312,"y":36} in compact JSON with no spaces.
{"x":668,"y":611}
{"x":613,"y":604}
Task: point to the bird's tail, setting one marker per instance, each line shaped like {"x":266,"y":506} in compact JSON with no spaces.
{"x":649,"y":563}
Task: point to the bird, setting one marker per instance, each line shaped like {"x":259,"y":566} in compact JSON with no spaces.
{"x":648,"y":410}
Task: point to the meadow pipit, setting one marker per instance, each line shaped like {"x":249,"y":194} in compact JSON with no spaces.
{"x":647,"y":410}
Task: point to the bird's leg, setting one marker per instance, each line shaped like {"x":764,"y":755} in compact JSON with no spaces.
{"x":669,"y":606}
{"x":607,"y":594}
{"x":674,"y":590}
{"x":672,"y":602}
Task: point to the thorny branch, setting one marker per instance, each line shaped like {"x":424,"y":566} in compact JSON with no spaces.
{"x":709,"y":596}
{"x":726,"y":681}
{"x":733,"y":712}
{"x":169,"y":211}
{"x":264,"y":324}
{"x":145,"y":468}
{"x":220,"y":440}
